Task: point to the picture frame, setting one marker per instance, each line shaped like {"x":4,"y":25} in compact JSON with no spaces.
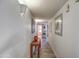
{"x":67,"y":8}
{"x":32,"y":26}
{"x":59,"y":25}
{"x":22,"y":9}
{"x":77,"y":0}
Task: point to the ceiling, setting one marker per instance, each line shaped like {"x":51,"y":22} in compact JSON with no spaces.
{"x":43,"y":8}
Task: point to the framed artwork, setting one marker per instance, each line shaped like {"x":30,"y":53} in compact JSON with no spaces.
{"x":67,"y":8}
{"x":77,"y":0}
{"x":59,"y":24}
{"x":22,"y":9}
{"x":32,"y":26}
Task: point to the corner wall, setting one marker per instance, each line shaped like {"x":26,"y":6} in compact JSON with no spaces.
{"x":66,"y":45}
{"x":15,"y":31}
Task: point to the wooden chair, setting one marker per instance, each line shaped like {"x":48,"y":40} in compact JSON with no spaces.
{"x":37,"y":44}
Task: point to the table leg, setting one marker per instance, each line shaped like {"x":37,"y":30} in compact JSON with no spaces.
{"x":31,"y":51}
{"x":38,"y":51}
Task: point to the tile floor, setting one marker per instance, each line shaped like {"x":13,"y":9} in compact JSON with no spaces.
{"x":46,"y":52}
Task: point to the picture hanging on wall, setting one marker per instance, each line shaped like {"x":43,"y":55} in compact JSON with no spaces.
{"x":77,"y":0}
{"x":22,"y":9}
{"x":32,"y":26}
{"x":59,"y":24}
{"x":67,"y":8}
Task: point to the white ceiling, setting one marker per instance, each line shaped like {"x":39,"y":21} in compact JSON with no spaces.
{"x":44,"y":8}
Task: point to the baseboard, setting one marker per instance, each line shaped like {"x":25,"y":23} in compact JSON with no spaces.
{"x":57,"y":56}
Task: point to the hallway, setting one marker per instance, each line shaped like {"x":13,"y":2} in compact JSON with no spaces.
{"x":53,"y":23}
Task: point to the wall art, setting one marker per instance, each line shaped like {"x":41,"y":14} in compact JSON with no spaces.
{"x":59,"y":24}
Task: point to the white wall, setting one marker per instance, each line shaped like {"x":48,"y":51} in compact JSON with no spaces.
{"x":15,"y":31}
{"x":66,"y":45}
{"x":28,"y":36}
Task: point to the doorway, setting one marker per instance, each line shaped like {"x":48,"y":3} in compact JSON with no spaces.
{"x":42,"y":31}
